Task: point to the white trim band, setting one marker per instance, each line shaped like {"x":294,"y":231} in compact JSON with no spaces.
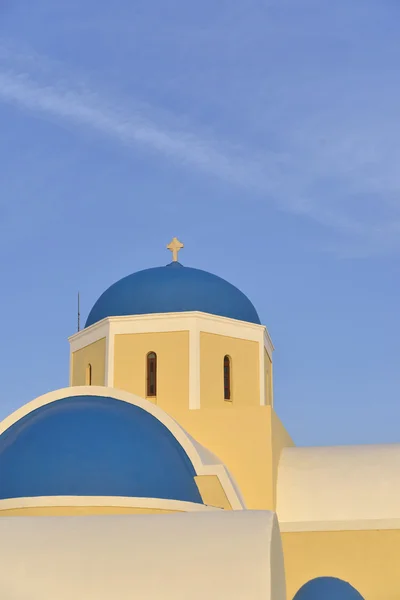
{"x":356,"y":525}
{"x":103,"y":501}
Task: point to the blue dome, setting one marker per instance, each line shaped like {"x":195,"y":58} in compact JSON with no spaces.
{"x":94,"y":446}
{"x":173,"y":288}
{"x":327,"y":588}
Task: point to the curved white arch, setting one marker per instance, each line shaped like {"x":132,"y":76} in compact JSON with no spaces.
{"x":203,"y":461}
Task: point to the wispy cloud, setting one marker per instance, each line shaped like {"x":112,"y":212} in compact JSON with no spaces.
{"x":298,"y":178}
{"x":84,"y":107}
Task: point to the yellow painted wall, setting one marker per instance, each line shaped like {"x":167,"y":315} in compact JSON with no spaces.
{"x":269,"y":388}
{"x":172,"y":349}
{"x":245,"y":372}
{"x":280,"y":439}
{"x":67,"y":511}
{"x":246,"y":437}
{"x":240,"y":437}
{"x":95,"y":354}
{"x":211,"y":491}
{"x":248,"y":441}
{"x":368,"y":560}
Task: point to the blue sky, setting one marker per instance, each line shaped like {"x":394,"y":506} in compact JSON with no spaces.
{"x":265,"y":134}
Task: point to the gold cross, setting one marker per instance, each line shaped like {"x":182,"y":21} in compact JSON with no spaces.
{"x":175,"y":246}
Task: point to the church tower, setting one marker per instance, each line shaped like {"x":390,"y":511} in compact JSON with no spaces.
{"x":191,"y":343}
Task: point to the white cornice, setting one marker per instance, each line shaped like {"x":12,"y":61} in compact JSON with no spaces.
{"x":171,"y":315}
{"x":173,"y":322}
{"x":88,"y":336}
{"x":345,"y":525}
{"x":87,"y":330}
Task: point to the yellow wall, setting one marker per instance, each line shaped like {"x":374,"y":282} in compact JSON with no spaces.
{"x":240,"y":437}
{"x":65,"y":511}
{"x":211,"y":491}
{"x":245,"y":373}
{"x":172,"y":349}
{"x":368,"y":560}
{"x":280,"y":439}
{"x":95,"y":354}
{"x":245,"y":436}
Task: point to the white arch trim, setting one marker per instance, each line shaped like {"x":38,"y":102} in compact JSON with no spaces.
{"x":203,"y":461}
{"x":102,"y":501}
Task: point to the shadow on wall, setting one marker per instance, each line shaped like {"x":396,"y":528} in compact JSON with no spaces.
{"x":327,"y":588}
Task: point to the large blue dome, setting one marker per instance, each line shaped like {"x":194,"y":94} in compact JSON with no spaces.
{"x":94,"y":446}
{"x":173,"y":288}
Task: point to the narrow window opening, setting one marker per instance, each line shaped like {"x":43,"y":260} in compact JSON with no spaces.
{"x":151,"y":374}
{"x":89,"y":374}
{"x":227,"y":378}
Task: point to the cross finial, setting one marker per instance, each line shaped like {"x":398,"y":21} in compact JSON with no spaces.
{"x":175,"y":246}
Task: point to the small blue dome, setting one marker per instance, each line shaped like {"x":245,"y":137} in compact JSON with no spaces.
{"x":327,"y":588}
{"x":94,"y":446}
{"x":173,"y":288}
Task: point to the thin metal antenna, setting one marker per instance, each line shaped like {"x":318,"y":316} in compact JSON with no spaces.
{"x":79,"y":312}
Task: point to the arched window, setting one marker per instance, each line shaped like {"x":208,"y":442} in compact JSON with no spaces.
{"x":88,"y":376}
{"x":227,"y":378}
{"x":151,"y":374}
